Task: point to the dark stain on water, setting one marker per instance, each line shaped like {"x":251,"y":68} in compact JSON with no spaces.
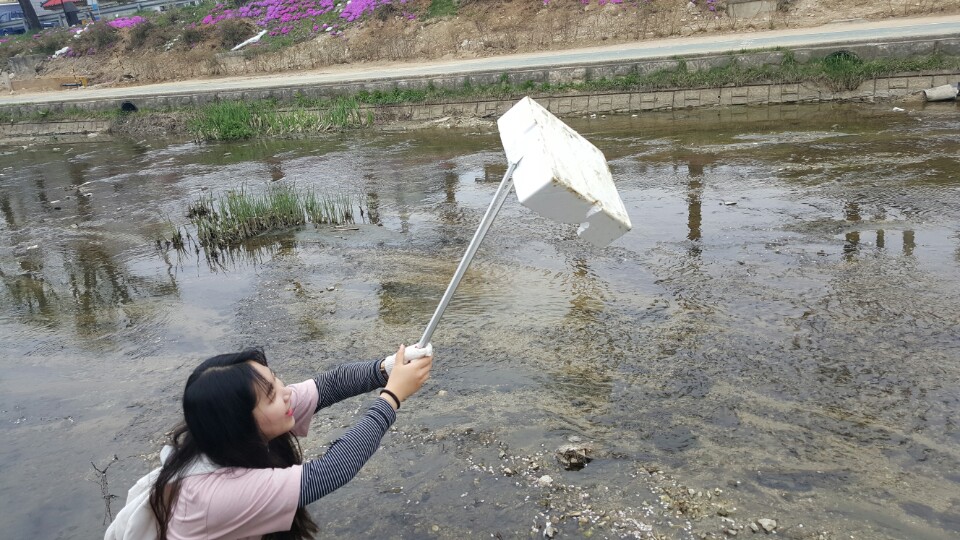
{"x":949,"y":520}
{"x":776,"y":335}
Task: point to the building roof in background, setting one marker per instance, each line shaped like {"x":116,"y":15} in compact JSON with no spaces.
{"x":36,"y":3}
{"x":56,"y":4}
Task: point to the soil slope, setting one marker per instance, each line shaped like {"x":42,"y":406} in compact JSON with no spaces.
{"x":480,"y":28}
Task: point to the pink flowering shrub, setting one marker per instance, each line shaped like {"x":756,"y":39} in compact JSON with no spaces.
{"x":126,"y":22}
{"x":301,"y":18}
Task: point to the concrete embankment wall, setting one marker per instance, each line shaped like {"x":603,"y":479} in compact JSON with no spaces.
{"x":882,"y":88}
{"x":879,"y":89}
{"x":65,"y":131}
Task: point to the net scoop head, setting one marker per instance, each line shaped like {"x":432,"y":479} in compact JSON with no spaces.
{"x":561,"y":175}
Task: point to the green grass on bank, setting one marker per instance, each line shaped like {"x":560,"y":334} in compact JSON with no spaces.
{"x":59,"y":114}
{"x":241,"y":120}
{"x":233,"y":120}
{"x":442,"y":8}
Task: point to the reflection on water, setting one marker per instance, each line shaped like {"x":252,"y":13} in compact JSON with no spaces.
{"x":276,"y":168}
{"x":908,"y":243}
{"x":7,"y":212}
{"x":852,"y":212}
{"x":795,"y":342}
{"x":30,"y":294}
{"x":587,"y":298}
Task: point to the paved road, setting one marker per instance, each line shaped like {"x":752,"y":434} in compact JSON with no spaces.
{"x":833,"y":33}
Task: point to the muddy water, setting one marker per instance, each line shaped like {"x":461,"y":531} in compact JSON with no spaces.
{"x":775,"y":339}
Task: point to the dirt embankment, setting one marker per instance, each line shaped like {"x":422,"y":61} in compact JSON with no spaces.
{"x":480,"y":28}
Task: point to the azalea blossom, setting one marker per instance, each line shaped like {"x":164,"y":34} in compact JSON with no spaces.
{"x":126,"y":22}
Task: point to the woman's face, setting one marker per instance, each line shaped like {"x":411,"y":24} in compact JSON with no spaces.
{"x":274,"y":411}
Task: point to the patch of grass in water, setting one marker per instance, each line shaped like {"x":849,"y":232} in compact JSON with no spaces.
{"x":233,"y":218}
{"x":174,"y":237}
{"x":327,"y":209}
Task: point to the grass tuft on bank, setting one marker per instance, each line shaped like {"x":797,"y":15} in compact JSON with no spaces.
{"x":235,"y":120}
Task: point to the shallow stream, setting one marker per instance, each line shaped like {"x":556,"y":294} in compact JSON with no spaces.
{"x":776,"y":338}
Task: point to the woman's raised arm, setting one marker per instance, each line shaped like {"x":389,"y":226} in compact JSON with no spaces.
{"x":348,"y":380}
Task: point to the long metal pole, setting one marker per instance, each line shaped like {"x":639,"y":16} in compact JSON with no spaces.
{"x":498,"y":199}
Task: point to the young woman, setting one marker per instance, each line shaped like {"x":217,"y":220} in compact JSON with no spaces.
{"x":234,"y":469}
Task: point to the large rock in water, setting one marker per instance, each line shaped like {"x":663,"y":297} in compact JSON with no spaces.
{"x":574,"y":457}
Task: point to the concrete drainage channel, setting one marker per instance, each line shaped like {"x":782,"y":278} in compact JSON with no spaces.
{"x":66,"y":131}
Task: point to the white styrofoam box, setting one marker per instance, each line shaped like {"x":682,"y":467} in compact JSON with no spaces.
{"x":561,"y":175}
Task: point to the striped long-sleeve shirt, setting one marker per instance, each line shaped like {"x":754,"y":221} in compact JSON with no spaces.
{"x":347,"y":455}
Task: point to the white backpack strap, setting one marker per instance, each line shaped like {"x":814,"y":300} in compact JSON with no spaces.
{"x":136,"y":520}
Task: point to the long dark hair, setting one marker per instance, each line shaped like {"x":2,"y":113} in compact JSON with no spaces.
{"x":218,"y":404}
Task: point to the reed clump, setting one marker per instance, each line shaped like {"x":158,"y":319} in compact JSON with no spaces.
{"x":329,"y":209}
{"x":236,"y":216}
{"x":173,"y":237}
{"x":235,"y":120}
